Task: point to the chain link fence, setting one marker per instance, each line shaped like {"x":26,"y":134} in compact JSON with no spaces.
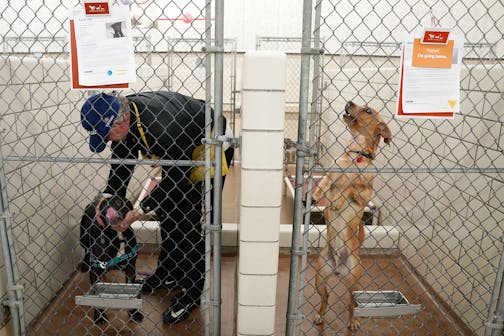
{"x":438,"y":188}
{"x":48,"y":174}
{"x":438,"y":193}
{"x":291,"y":46}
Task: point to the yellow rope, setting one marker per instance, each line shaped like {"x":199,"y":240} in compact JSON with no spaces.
{"x":149,"y":155}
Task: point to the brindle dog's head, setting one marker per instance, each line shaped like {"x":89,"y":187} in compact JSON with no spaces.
{"x":97,"y":235}
{"x":367,"y":127}
{"x":112,"y":210}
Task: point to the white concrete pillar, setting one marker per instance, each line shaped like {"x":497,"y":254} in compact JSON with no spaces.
{"x":263,"y":115}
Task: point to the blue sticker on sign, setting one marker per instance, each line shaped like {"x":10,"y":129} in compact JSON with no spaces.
{"x":109,"y":72}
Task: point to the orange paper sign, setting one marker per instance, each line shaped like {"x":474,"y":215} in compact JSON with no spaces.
{"x":432,"y":55}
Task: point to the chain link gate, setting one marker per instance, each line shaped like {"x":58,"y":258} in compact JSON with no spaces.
{"x":48,"y":175}
{"x":438,"y":188}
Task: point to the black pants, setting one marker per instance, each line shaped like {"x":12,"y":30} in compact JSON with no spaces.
{"x":182,"y":255}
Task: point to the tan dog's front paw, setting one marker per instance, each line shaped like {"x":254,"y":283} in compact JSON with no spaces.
{"x":354,"y":324}
{"x":318,"y":319}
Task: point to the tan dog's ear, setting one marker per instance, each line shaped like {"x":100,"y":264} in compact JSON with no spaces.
{"x":385,"y":133}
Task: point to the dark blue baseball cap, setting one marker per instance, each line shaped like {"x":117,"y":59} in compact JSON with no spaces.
{"x":97,"y":117}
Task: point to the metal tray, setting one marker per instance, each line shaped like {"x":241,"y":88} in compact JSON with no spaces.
{"x":112,"y":295}
{"x":383,"y":304}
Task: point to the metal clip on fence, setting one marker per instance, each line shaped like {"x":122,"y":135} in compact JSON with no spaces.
{"x":312,"y":51}
{"x":304,"y":151}
{"x":5,"y":314}
{"x":496,"y":324}
{"x":5,"y":215}
{"x":235,"y":142}
{"x":213,"y":50}
{"x":14,"y":303}
{"x":301,"y":252}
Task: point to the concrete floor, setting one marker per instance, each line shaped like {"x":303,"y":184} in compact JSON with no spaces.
{"x":385,"y":271}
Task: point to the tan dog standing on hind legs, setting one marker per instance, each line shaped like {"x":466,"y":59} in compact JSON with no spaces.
{"x":348,"y":194}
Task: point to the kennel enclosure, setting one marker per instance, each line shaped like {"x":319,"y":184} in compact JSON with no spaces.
{"x":439,"y":188}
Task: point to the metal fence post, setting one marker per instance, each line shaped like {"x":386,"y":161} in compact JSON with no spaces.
{"x":14,"y":289}
{"x":303,"y":112}
{"x":217,"y":206}
{"x":311,"y":159}
{"x":208,"y":164}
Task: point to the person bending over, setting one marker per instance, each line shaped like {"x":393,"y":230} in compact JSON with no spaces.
{"x":168,"y":126}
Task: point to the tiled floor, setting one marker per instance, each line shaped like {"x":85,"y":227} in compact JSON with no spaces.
{"x":63,"y":317}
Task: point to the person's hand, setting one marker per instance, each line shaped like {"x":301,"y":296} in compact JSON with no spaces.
{"x":131,"y":217}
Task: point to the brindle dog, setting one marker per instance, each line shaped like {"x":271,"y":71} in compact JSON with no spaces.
{"x":103,"y":245}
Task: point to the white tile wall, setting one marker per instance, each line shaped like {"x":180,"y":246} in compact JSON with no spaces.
{"x":261,"y":188}
{"x":56,"y":70}
{"x":486,"y":78}
{"x":257,"y":290}
{"x":26,"y":70}
{"x":264,"y":70}
{"x":493,"y":106}
{"x":5,"y":70}
{"x":259,"y":223}
{"x":256,"y":320}
{"x":258,"y":258}
{"x":262,"y":106}
{"x":43,"y":95}
{"x":16,"y":97}
{"x":58,"y":116}
{"x":264,"y":149}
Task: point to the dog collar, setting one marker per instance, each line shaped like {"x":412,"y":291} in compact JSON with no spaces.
{"x":362,"y":155}
{"x":114,"y":261}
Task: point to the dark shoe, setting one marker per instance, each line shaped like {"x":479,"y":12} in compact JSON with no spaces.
{"x":154,"y":283}
{"x":179,"y":311}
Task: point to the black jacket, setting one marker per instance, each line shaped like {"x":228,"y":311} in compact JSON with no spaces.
{"x":174,"y":126}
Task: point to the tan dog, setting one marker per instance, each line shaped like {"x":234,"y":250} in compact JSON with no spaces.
{"x":348,"y":194}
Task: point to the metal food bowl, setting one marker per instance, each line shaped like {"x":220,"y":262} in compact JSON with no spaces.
{"x":386,"y":303}
{"x":112,"y":295}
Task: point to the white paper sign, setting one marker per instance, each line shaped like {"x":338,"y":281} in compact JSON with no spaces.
{"x":104,"y":47}
{"x":430,"y":78}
